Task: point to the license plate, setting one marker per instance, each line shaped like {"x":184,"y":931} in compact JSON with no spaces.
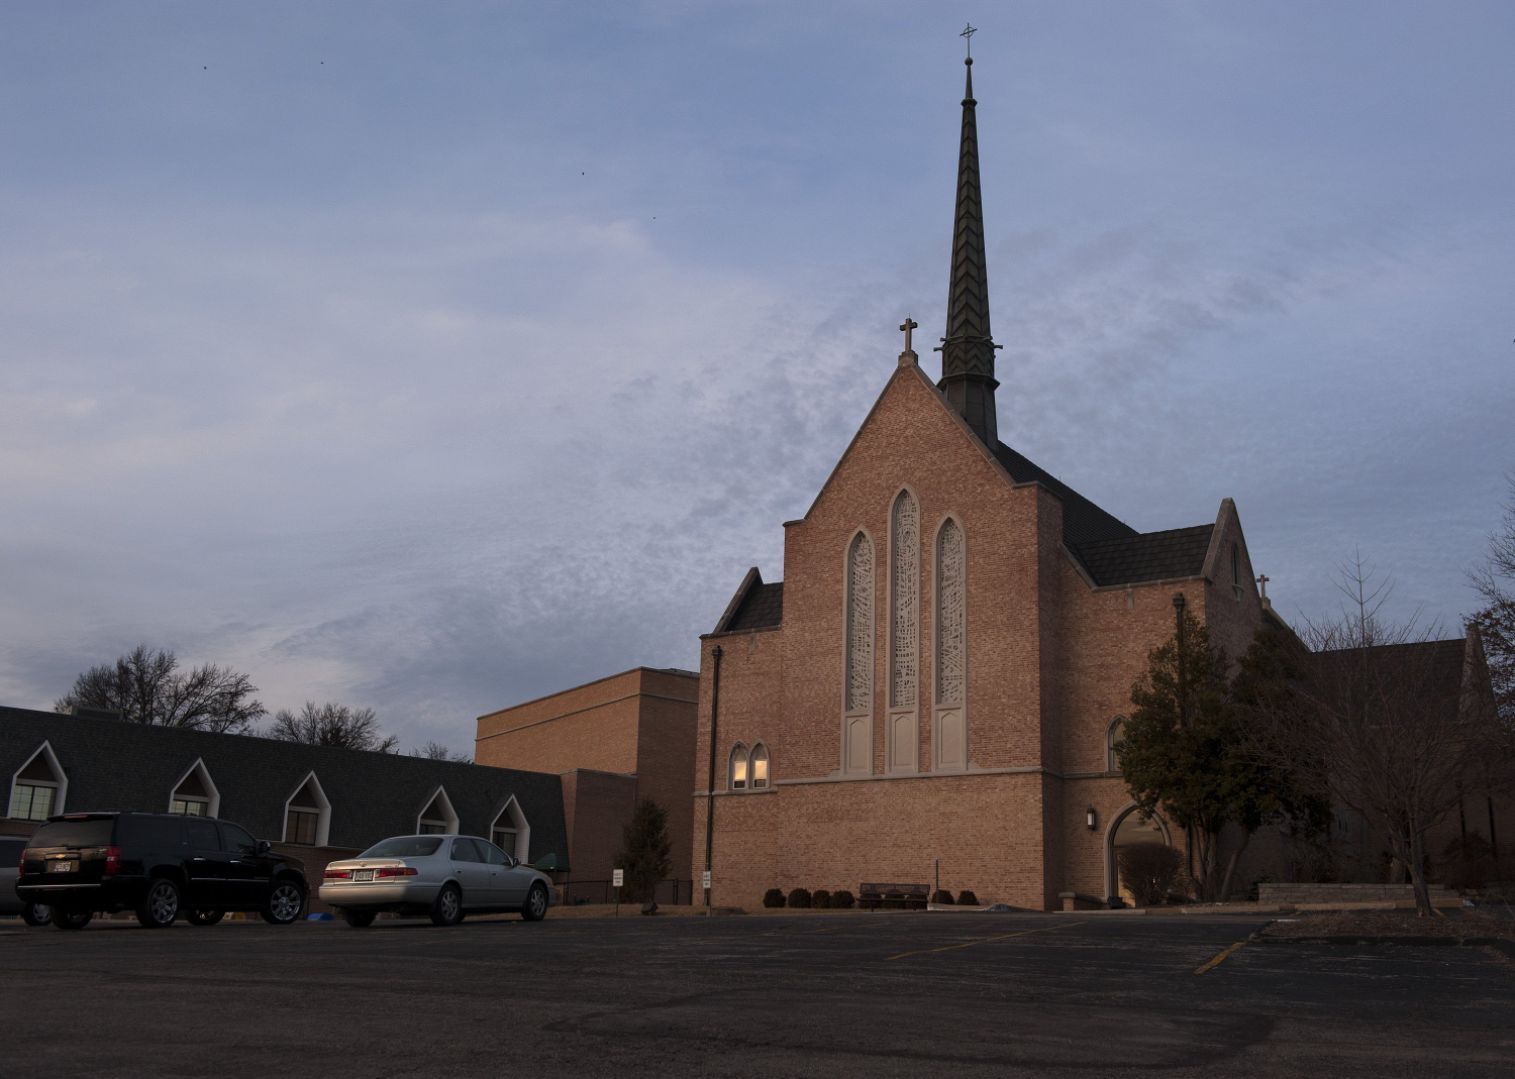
{"x":362,"y":874}
{"x":62,"y":867}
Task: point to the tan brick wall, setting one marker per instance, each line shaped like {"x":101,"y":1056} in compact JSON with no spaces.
{"x":596,"y":807}
{"x":592,"y":726}
{"x":838,"y":835}
{"x":640,"y":722}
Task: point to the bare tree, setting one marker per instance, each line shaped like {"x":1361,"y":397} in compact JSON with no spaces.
{"x":1495,"y":582}
{"x":1388,"y":721}
{"x":436,"y":751}
{"x":331,"y":724}
{"x":146,"y":686}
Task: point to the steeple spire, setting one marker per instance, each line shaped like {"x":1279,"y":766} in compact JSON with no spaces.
{"x":968,"y":349}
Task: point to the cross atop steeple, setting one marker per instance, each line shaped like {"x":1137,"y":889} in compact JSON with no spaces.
{"x":967,"y":35}
{"x":908,"y":325}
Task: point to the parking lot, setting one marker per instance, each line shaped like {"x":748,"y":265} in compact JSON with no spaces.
{"x":829,"y":995}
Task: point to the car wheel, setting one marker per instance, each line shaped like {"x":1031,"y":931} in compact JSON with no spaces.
{"x":36,"y":914}
{"x":359,"y":919}
{"x":447,"y":908}
{"x":70,"y":919}
{"x":285,"y":901}
{"x":536,"y":904}
{"x":203,"y":917}
{"x":160,"y":906}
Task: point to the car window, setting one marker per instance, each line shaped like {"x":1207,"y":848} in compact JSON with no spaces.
{"x":92,"y":832}
{"x":155,"y":832}
{"x":493,"y":854}
{"x":234,"y":837}
{"x":404,"y":846}
{"x":200,"y":834}
{"x":466,"y":850}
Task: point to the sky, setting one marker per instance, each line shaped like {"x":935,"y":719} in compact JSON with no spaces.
{"x":431,"y":357}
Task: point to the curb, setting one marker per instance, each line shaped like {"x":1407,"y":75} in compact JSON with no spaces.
{"x":1498,"y":943}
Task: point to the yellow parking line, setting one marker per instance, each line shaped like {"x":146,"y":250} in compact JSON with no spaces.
{"x":1211,"y":964}
{"x":985,"y":940}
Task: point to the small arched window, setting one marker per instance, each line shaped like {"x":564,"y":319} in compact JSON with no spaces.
{"x":1114,"y":735}
{"x":736,"y":772}
{"x":759,"y":767}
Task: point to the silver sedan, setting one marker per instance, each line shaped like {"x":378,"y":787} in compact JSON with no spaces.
{"x":445,"y":876}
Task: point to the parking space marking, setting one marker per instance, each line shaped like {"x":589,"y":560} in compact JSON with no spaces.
{"x":1215,"y":961}
{"x":982,"y":940}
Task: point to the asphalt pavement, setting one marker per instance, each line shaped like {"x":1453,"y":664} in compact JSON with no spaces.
{"x":960,"y":994}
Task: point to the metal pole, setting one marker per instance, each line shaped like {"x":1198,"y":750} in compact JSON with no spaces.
{"x":715,"y":702}
{"x":1183,"y":692}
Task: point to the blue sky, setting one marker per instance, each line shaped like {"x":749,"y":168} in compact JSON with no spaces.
{"x":433,"y":356}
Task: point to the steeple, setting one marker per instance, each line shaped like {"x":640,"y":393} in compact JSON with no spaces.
{"x":968,"y":350}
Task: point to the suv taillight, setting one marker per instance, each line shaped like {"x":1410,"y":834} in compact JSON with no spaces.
{"x":112,"y":861}
{"x":337,"y":874}
{"x":395,"y":871}
{"x":25,"y":854}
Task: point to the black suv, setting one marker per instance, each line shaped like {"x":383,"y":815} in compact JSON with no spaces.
{"x":159,"y":865}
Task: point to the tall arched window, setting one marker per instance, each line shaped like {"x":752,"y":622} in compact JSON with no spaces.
{"x":1113,"y":735}
{"x":904,"y":631}
{"x":737,"y":768}
{"x":951,"y":648}
{"x":857,"y":693}
{"x":759,"y":767}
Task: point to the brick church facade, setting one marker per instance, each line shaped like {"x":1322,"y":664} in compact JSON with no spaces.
{"x":934,"y":686}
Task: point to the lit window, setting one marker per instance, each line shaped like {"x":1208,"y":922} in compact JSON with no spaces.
{"x":759,"y":766}
{"x":737,"y":774}
{"x":32,"y":801}
{"x":190,"y":807}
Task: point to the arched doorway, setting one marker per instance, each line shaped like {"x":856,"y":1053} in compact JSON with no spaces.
{"x":1129,"y":828}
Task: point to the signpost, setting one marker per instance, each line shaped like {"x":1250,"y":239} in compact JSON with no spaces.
{"x":618,"y":878}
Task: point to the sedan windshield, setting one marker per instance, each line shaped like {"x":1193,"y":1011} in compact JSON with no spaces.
{"x":405,"y":846}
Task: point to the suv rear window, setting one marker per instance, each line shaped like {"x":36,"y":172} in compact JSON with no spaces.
{"x":94,"y":832}
{"x":405,"y":846}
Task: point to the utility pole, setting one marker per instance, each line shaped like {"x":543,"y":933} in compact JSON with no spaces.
{"x":715,"y":710}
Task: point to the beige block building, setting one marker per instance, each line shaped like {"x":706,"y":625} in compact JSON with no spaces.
{"x":613,"y":740}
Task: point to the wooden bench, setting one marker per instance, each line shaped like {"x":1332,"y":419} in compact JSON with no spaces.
{"x":897,"y":896}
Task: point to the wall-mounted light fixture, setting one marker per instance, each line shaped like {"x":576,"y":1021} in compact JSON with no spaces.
{"x":1091,"y":819}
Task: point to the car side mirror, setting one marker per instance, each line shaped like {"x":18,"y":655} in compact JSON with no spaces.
{"x":263,"y":847}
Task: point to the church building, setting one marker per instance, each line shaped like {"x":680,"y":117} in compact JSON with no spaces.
{"x":932,"y":692}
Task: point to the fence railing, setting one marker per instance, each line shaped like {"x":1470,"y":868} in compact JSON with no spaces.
{"x":673,"y":892}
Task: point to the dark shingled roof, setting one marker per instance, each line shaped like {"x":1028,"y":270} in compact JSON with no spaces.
{"x":1149,"y":556}
{"x":1083,"y":521}
{"x":112,"y":764}
{"x":761,"y":608}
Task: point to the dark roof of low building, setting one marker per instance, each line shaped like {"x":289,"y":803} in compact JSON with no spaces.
{"x":1147,"y":556}
{"x":761,"y":608}
{"x":112,"y":764}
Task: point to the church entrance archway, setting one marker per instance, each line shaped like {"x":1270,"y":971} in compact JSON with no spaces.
{"x":1129,"y":828}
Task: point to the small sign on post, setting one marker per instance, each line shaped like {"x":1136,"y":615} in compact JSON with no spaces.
{"x":705,"y":880}
{"x":617,"y":878}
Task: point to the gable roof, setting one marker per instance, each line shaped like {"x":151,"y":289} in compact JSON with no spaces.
{"x":1146,"y":556}
{"x":112,"y":764}
{"x":761,"y":608}
{"x":1083,"y":521}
